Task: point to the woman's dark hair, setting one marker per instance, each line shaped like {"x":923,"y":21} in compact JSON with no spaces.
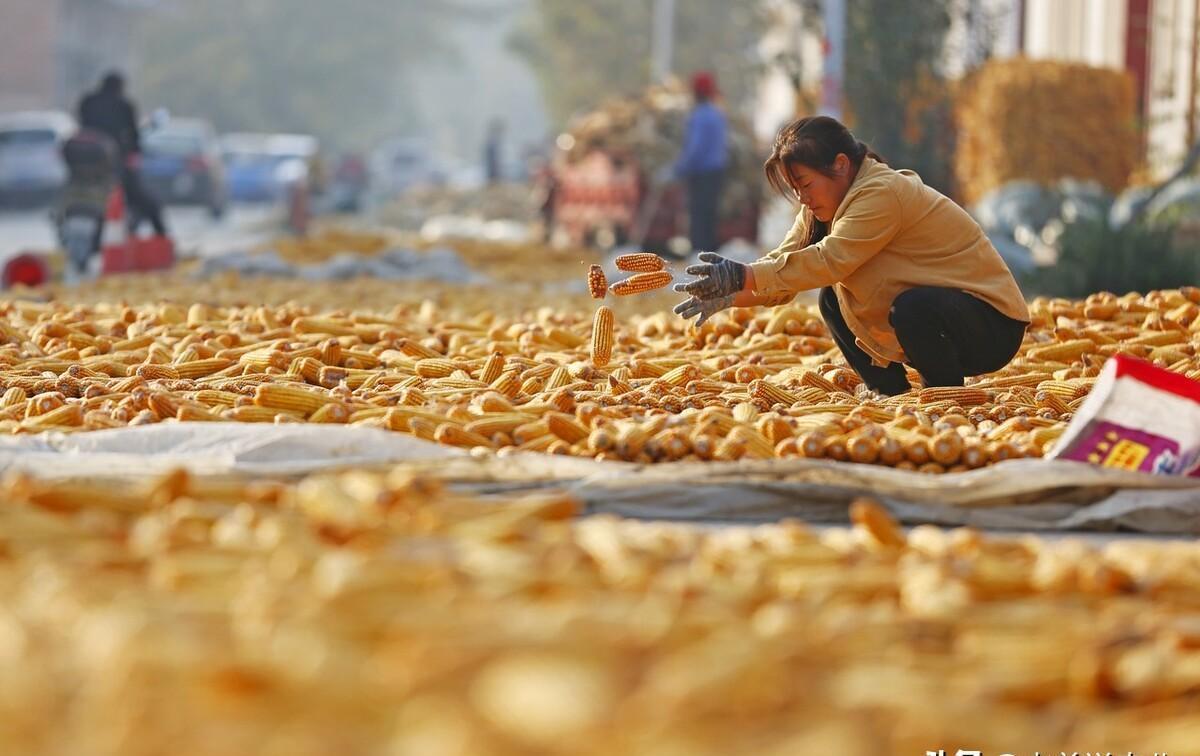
{"x":814,"y":142}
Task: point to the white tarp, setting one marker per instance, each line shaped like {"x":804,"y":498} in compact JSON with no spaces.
{"x":211,"y":448}
{"x":1020,"y":494}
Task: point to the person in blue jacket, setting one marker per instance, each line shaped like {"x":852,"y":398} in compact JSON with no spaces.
{"x":703,"y":162}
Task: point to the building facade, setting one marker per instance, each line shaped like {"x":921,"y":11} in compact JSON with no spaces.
{"x":1156,"y":41}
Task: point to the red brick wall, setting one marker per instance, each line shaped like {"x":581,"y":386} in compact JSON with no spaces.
{"x":28,"y":32}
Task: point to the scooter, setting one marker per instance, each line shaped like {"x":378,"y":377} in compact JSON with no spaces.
{"x":93,"y":205}
{"x":91,"y":161}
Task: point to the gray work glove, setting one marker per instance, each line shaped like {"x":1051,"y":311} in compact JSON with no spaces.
{"x":705,"y":308}
{"x":716,"y":277}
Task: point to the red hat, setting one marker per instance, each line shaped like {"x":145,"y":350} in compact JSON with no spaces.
{"x":704,"y":85}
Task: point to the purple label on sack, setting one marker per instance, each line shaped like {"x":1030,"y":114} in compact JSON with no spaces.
{"x":1110,"y":445}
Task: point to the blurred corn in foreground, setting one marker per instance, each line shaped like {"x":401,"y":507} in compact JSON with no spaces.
{"x":384,"y":613}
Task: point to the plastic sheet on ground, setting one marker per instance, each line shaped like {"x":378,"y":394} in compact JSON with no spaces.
{"x":211,"y":448}
{"x":437,"y":264}
{"x":1032,"y":495}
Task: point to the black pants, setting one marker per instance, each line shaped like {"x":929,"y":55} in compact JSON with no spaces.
{"x":140,"y":203}
{"x":946,"y":334}
{"x":704,"y":202}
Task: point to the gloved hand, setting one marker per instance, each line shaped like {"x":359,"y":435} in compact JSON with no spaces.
{"x":717,"y":277}
{"x":705,"y":308}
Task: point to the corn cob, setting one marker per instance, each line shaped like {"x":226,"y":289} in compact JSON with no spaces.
{"x":508,"y":384}
{"x":966,"y":397}
{"x":874,"y":520}
{"x":332,"y":412}
{"x":566,"y":427}
{"x":640,"y":262}
{"x":863,"y":449}
{"x":524,"y":433}
{"x":597,"y":282}
{"x":772,"y":394}
{"x":191,"y":414}
{"x":491,"y":424}
{"x":454,"y":435}
{"x":492,"y":368}
{"x":13,"y":396}
{"x":1066,"y":351}
{"x":559,"y":378}
{"x":66,"y":415}
{"x":156,"y":371}
{"x":288,"y":397}
{"x":603,"y":337}
{"x":681,"y":375}
{"x":436,"y":367}
{"x":640,"y":283}
{"x":199,"y":368}
{"x":728,"y":450}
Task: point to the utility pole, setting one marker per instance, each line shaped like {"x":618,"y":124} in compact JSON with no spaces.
{"x":835,"y":58}
{"x":663,"y":51}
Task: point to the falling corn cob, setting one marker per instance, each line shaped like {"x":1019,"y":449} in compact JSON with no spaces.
{"x":640,"y":262}
{"x":639,"y":283}
{"x":597,"y":282}
{"x":602,"y":336}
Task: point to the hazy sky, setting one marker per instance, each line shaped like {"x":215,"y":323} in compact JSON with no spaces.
{"x":489,"y":82}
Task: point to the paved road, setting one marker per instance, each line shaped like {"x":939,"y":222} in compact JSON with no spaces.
{"x":196,"y":233}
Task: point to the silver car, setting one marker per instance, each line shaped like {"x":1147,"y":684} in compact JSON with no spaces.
{"x":32,"y":172}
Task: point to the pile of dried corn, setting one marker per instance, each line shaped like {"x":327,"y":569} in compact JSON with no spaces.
{"x":332,"y":240}
{"x":757,"y":384}
{"x":369,"y":614}
{"x":1043,"y":121}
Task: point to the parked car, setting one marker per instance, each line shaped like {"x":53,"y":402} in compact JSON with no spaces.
{"x":32,"y":171}
{"x":262,"y":167}
{"x":181,"y":164}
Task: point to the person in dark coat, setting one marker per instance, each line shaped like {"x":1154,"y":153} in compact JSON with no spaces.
{"x":703,"y":163}
{"x":108,"y":111}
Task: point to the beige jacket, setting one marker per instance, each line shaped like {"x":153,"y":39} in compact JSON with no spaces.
{"x":891,"y":233}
